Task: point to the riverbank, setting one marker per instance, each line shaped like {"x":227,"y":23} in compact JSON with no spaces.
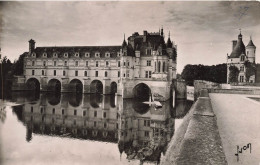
{"x":197,"y":141}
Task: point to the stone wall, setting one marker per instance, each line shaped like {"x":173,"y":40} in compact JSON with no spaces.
{"x":202,"y":84}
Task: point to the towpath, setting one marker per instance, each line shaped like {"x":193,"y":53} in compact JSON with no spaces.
{"x":238,"y":120}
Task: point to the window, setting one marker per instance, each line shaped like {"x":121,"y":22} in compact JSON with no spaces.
{"x":124,"y":63}
{"x":54,"y":72}
{"x":149,"y":51}
{"x":118,"y":74}
{"x":148,"y":63}
{"x":32,"y":72}
{"x":96,"y":54}
{"x":96,"y":63}
{"x":75,"y":112}
{"x":96,"y":73}
{"x":33,"y":63}
{"x":31,"y":109}
{"x":159,"y":66}
{"x":105,"y":73}
{"x":95,"y":113}
{"x":105,"y":125}
{"x":148,"y":74}
{"x":62,"y":112}
{"x":241,"y":78}
{"x":53,"y":111}
{"x":86,"y":74}
{"x":124,"y":74}
{"x":76,"y":73}
{"x":64,"y":73}
{"x":44,"y":54}
{"x":107,"y":54}
{"x":42,"y":72}
{"x":118,"y":63}
{"x":76,"y":63}
{"x":41,"y":109}
{"x":247,"y":52}
{"x":86,"y":63}
{"x":242,"y":58}
{"x":84,"y":113}
{"x":146,"y":133}
{"x":65,"y":54}
{"x":65,"y":63}
{"x":107,"y":63}
{"x":44,"y":63}
{"x":128,"y":63}
{"x":95,"y":123}
{"x":104,"y":115}
{"x":87,"y":54}
{"x":163,"y":67}
{"x":54,"y":63}
{"x":242,"y":68}
{"x":76,"y":54}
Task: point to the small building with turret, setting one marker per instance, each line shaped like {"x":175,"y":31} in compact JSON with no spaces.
{"x":239,"y":56}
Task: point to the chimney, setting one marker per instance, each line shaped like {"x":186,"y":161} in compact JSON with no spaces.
{"x":234,"y":44}
{"x":145,"y":35}
{"x":31,"y":46}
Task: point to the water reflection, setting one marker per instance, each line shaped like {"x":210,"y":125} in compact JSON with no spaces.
{"x":142,"y":132}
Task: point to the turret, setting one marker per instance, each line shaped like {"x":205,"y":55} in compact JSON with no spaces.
{"x":250,"y":51}
{"x":31,"y":46}
{"x":124,"y":47}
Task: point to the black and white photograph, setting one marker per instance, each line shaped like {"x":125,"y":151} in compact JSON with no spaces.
{"x":129,"y":82}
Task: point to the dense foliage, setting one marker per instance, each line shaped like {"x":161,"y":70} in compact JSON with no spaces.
{"x":250,"y":69}
{"x":233,"y":74}
{"x":9,"y":69}
{"x":214,"y":73}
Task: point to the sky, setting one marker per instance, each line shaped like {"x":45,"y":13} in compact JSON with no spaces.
{"x":202,"y":31}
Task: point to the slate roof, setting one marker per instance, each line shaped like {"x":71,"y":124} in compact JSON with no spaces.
{"x":238,"y":49}
{"x":71,"y":50}
{"x":251,"y":44}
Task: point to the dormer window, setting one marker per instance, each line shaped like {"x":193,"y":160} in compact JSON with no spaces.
{"x":77,"y":54}
{"x":107,"y":54}
{"x":242,"y":58}
{"x":87,"y":54}
{"x":97,"y":54}
{"x":33,"y":54}
{"x":65,"y":54}
{"x":55,"y":55}
{"x":118,"y":54}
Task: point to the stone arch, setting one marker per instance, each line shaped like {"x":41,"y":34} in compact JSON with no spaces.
{"x":142,"y":92}
{"x":54,"y":85}
{"x":33,"y":84}
{"x":76,"y":85}
{"x":96,"y":86}
{"x":113,"y":87}
{"x":96,"y":100}
{"x":75,"y":100}
{"x":53,"y":99}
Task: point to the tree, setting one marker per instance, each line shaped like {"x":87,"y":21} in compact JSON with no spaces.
{"x":233,"y":74}
{"x":17,"y":68}
{"x":250,"y":69}
{"x":214,"y":73}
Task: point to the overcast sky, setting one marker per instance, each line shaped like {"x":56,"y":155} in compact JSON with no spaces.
{"x":203,"y":31}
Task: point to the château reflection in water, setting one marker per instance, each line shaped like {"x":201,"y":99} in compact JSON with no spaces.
{"x":141,"y":131}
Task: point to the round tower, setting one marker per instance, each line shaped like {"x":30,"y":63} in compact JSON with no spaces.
{"x":250,"y":51}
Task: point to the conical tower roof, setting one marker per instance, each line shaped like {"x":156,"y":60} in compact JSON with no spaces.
{"x":239,"y":48}
{"x":251,"y":44}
